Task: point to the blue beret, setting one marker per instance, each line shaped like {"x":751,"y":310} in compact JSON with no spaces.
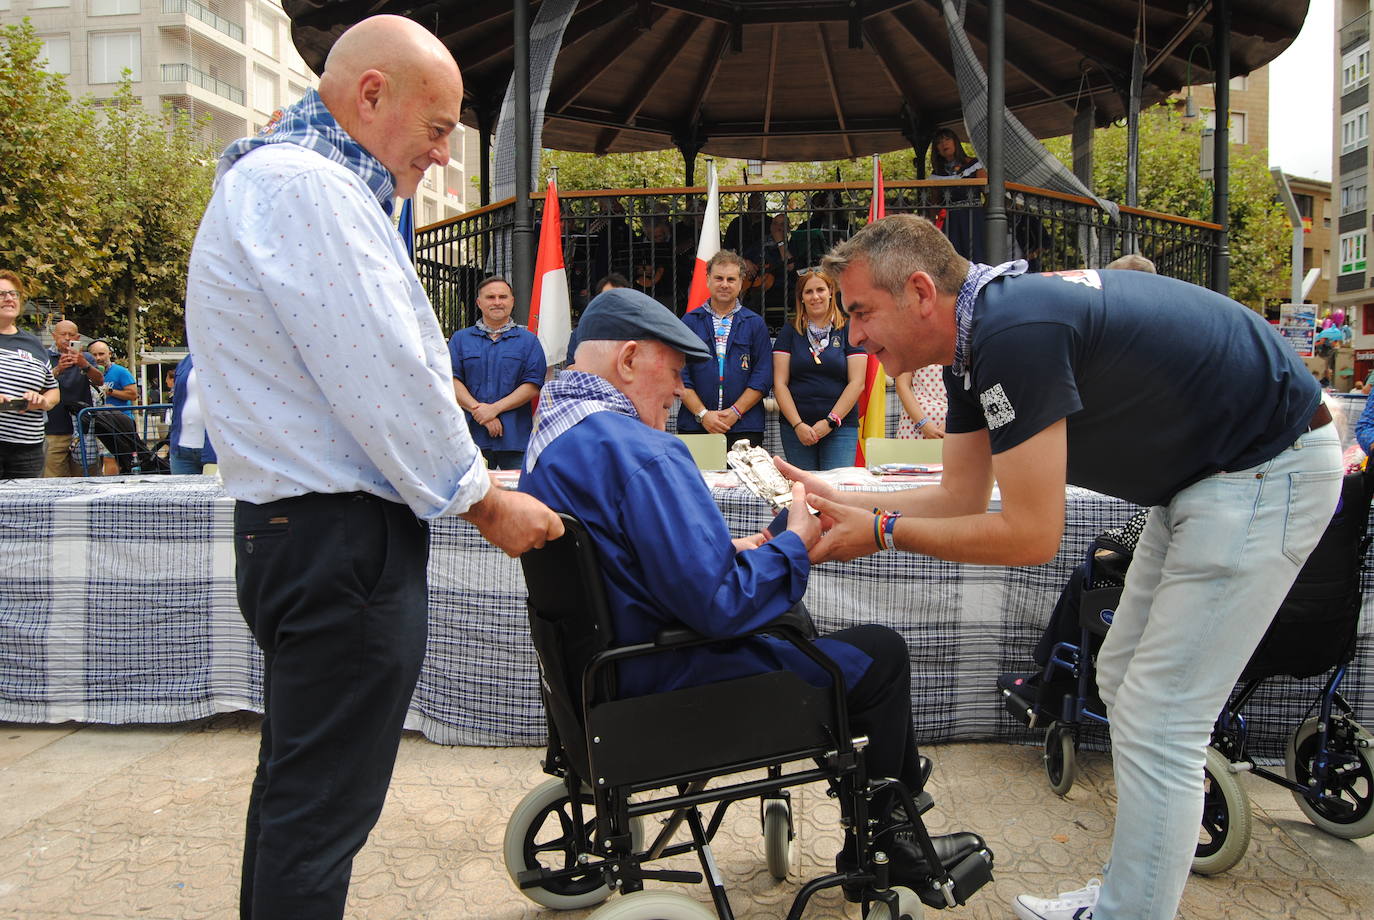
{"x":624,"y":314}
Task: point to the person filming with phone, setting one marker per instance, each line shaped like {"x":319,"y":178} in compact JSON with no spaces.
{"x":76,"y":373}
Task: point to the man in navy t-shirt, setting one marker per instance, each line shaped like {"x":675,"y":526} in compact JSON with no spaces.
{"x":1139,"y":386}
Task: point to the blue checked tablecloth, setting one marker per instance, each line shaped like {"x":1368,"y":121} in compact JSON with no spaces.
{"x":118,"y":606}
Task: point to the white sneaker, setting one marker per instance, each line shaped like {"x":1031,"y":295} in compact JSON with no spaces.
{"x":1070,"y":905}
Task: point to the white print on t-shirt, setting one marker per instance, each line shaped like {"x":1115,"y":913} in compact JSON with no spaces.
{"x":996,"y":407}
{"x":1084,"y":276}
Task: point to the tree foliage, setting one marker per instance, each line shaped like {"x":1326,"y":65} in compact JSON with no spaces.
{"x":1170,"y":182}
{"x":99,"y":202}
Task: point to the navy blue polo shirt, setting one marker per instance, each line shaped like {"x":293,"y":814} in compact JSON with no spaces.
{"x":815,"y":387}
{"x":1163,"y":383}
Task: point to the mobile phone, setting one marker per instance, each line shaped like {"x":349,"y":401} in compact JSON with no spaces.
{"x":17,"y":404}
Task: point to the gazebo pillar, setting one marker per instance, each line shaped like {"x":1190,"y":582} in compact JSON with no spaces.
{"x":522,"y":239}
{"x":996,"y":222}
{"x":1221,"y":139}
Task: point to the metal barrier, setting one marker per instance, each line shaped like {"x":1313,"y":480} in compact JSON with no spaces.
{"x":650,"y":237}
{"x":113,"y":429}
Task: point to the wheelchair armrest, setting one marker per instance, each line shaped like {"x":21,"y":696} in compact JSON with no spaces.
{"x":677,"y":635}
{"x":794,"y":624}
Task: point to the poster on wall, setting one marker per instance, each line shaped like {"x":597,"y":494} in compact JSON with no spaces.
{"x":1298,"y":326}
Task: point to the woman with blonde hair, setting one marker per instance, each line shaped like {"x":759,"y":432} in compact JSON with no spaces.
{"x":817,"y":379}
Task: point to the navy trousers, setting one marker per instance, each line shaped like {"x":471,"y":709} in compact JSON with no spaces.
{"x":333,"y":589}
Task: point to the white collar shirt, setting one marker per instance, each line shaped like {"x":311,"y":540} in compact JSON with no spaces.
{"x":321,"y":365}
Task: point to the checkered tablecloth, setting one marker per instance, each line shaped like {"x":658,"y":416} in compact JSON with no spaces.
{"x":118,"y":606}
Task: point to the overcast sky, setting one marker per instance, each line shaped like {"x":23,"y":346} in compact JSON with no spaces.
{"x":1300,"y":98}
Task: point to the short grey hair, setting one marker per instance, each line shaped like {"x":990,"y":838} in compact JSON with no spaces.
{"x":895,"y":247}
{"x":1132,"y":261}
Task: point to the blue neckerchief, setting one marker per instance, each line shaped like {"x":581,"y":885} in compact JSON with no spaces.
{"x":566,"y":400}
{"x":308,"y":124}
{"x":978,"y":275}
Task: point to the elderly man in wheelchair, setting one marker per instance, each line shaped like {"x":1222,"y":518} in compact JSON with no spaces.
{"x":676,"y":664}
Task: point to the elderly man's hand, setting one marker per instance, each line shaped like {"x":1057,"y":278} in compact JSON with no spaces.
{"x":848,"y":532}
{"x":800,"y":520}
{"x":65,"y":360}
{"x":513,"y":521}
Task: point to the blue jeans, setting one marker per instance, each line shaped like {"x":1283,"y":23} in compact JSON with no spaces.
{"x":504,"y":459}
{"x":830,"y":452}
{"x":186,"y":461}
{"x":1209,"y":572}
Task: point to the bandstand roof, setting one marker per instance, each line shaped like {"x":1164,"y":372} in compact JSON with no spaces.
{"x":814,"y":79}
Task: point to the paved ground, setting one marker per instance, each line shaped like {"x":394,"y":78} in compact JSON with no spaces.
{"x":145,"y":821}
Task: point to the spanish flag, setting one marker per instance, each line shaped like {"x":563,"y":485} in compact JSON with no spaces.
{"x":873,"y":400}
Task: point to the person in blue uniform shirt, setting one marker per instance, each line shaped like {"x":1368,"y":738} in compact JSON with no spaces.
{"x":725,"y":395}
{"x":498,"y":368}
{"x":1094,"y":378}
{"x":666,"y":553}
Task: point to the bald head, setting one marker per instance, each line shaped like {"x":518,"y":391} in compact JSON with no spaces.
{"x":396,"y":90}
{"x":64,"y":332}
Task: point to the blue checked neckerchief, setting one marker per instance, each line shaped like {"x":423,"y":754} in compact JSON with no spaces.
{"x":721,"y":325}
{"x":978,"y":276}
{"x":308,"y":124}
{"x":505,"y":327}
{"x":566,"y":400}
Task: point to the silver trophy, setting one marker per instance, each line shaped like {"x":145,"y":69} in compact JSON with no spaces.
{"x":756,"y":471}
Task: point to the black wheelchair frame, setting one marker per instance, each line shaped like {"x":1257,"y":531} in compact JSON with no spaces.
{"x":627,"y":759}
{"x":1328,"y":765}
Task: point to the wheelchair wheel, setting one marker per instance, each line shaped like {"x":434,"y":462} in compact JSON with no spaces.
{"x":653,"y":905}
{"x":909,"y":906}
{"x":540,"y":834}
{"x":1061,"y":757}
{"x":1350,"y":778}
{"x":777,"y":836}
{"x":1225,"y":833}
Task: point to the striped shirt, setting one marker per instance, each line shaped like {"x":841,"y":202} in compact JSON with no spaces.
{"x":23,"y":367}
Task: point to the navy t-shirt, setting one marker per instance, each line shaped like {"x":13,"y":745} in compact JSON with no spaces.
{"x":816,"y":387}
{"x":1163,"y":383}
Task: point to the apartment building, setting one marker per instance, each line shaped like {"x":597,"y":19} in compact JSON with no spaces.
{"x":1350,"y":180}
{"x":229,"y":63}
{"x":1249,"y":108}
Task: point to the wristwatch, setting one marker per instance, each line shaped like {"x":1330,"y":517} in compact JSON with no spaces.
{"x":702,"y":414}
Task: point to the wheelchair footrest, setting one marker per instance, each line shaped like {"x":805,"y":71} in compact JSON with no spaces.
{"x":923,"y":801}
{"x":670,"y":875}
{"x":1021,"y":710}
{"x":971,"y":873}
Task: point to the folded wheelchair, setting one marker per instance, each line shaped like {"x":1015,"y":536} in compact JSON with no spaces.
{"x":582,"y":835}
{"x":1329,"y":766}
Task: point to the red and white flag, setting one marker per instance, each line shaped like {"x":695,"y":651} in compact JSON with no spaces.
{"x":709,"y":243}
{"x":873,"y":399}
{"x":550,"y":306}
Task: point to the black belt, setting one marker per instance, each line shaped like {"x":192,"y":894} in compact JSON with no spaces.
{"x":1319,"y":418}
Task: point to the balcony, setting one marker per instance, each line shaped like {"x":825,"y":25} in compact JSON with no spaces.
{"x":650,"y":236}
{"x":1354,"y":32}
{"x":185,"y":73}
{"x":213,"y":20}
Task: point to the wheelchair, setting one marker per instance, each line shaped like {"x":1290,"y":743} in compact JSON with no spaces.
{"x":1328,"y":765}
{"x":583,"y":834}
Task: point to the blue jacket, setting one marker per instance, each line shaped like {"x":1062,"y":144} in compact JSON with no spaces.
{"x":748,"y":366}
{"x":667,"y":558}
{"x":179,"y":390}
{"x":491,"y":371}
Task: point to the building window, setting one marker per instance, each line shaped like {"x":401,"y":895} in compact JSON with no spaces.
{"x":1352,"y":252}
{"x":111,"y":53}
{"x":1353,"y":193}
{"x":265,"y":33}
{"x":264,"y":90}
{"x":56,"y":54}
{"x":48,"y":4}
{"x":113,"y":7}
{"x":755,"y":167}
{"x":1354,"y":69}
{"x":4,"y":6}
{"x":296,"y":93}
{"x":1240,"y":84}
{"x":1355,"y":129}
{"x":1236,"y":126}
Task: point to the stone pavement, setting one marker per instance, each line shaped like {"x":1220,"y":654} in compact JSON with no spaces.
{"x":146,"y":822}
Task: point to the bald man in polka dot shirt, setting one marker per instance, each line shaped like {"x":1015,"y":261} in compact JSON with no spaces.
{"x":326,"y":388}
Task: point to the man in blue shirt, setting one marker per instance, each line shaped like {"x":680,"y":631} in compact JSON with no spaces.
{"x":1094,"y":378}
{"x":119,"y":389}
{"x":498,"y":368}
{"x":667,"y":556}
{"x":725,"y":395}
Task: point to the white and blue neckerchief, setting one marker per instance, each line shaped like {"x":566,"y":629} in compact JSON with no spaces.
{"x":566,"y":400}
{"x":978,"y":276}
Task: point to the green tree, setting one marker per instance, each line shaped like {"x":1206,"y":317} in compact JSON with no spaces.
{"x":156,"y":182}
{"x":1169,"y":182}
{"x":46,"y":193}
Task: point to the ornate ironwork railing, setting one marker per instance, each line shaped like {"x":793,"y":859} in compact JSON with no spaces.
{"x":650,"y":237}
